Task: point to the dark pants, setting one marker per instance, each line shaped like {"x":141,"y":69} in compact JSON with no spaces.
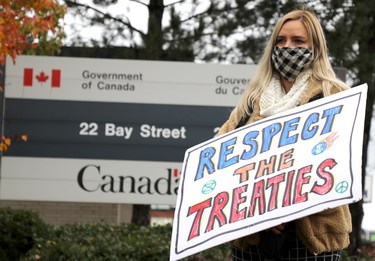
{"x":295,"y":251}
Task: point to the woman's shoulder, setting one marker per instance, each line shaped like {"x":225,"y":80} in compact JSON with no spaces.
{"x":314,"y":92}
{"x":317,"y":91}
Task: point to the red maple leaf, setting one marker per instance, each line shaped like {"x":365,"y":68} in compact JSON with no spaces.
{"x":42,"y":77}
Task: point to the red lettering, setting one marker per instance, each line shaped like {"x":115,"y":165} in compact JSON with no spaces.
{"x":326,"y":176}
{"x":198,"y":208}
{"x":288,"y":189}
{"x":258,"y":197}
{"x":236,"y":214}
{"x":217,"y":213}
{"x":274,"y":183}
{"x":300,"y":181}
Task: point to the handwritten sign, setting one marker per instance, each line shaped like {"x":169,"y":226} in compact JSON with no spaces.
{"x":279,"y":169}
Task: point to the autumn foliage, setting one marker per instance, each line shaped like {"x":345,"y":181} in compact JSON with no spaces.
{"x":26,"y":24}
{"x":33,"y":27}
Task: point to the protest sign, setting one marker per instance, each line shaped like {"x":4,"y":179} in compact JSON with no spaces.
{"x":276,"y":170}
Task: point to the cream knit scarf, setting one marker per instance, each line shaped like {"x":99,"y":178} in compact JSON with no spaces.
{"x":274,"y":100}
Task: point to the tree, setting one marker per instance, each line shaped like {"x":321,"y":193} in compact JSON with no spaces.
{"x":236,"y":31}
{"x":32,"y":27}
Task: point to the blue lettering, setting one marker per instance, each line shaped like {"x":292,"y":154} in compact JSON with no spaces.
{"x":268,"y":133}
{"x":205,"y":162}
{"x":224,"y":152}
{"x":308,"y":132}
{"x":330,"y":115}
{"x":290,"y":125}
{"x":249,"y":140}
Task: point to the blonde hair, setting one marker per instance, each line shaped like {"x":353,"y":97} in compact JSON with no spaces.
{"x":322,"y":72}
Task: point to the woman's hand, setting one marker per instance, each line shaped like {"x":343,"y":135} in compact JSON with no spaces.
{"x":278,"y":229}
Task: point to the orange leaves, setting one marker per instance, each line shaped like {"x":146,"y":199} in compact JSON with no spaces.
{"x":6,"y":141}
{"x":24,"y":22}
{"x":24,"y":138}
{"x":3,"y":147}
{"x":10,"y":42}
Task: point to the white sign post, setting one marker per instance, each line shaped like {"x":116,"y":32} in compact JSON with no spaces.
{"x":279,"y":169}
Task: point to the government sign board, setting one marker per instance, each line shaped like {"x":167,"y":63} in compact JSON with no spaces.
{"x":284,"y":167}
{"x":106,"y":130}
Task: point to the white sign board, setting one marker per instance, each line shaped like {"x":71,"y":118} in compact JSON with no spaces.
{"x":109,"y":130}
{"x":279,"y":169}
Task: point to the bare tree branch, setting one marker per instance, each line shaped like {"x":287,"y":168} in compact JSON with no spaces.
{"x":139,"y":2}
{"x":178,"y":2}
{"x":106,"y":15}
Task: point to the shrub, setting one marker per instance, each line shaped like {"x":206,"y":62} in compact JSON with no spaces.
{"x":101,"y":242}
{"x":106,"y":242}
{"x":18,"y":230}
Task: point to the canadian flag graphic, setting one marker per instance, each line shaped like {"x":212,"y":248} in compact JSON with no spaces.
{"x":41,"y":77}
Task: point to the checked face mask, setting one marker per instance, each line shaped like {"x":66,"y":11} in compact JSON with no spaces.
{"x":290,"y":62}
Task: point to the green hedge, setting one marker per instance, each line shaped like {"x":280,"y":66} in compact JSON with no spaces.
{"x":18,"y":231}
{"x":25,"y":237}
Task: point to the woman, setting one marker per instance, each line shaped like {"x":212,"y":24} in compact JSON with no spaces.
{"x":293,"y":70}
